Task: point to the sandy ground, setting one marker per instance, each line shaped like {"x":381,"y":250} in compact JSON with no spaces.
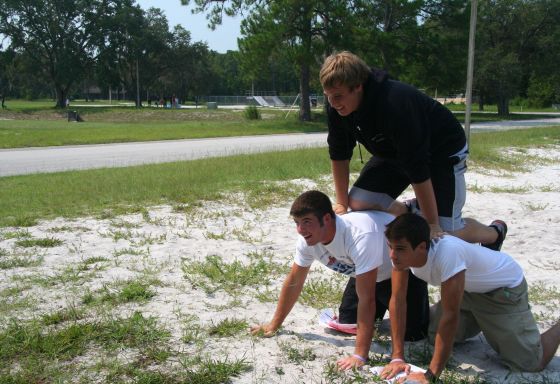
{"x":168,"y":243}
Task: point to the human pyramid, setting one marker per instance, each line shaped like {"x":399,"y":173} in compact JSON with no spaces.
{"x":391,"y":249}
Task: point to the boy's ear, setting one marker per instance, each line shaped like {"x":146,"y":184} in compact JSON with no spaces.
{"x":423,"y":246}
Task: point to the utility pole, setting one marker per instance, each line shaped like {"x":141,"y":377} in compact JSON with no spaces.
{"x":470,"y":70}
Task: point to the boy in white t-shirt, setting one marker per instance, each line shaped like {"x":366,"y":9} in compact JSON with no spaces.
{"x":353,"y":244}
{"x":481,"y":290}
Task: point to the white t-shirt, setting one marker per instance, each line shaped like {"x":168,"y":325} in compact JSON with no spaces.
{"x":485,"y":270}
{"x":359,"y":246}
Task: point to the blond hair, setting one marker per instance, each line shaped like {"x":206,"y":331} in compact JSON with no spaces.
{"x":343,"y":68}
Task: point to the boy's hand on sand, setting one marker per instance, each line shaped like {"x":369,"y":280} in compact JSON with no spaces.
{"x":349,"y":362}
{"x":264,"y":330}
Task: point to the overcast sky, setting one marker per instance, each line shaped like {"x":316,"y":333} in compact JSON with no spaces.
{"x":222,"y":39}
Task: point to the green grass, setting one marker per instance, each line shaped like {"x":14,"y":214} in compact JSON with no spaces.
{"x":128,"y":190}
{"x":297,"y":354}
{"x":107,"y":192}
{"x":37,"y":350}
{"x":493,"y":109}
{"x":213,"y":274}
{"x":120,"y":293}
{"x":144,"y":125}
{"x":15,"y":259}
{"x":228,"y":328}
{"x":25,"y":340}
{"x":485,"y":147}
{"x":323,"y":293}
{"x":47,"y":242}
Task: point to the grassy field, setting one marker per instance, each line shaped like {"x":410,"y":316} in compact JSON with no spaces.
{"x":48,"y":127}
{"x":24,"y":199}
{"x":37,"y":124}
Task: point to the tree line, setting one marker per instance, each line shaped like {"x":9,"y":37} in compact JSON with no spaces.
{"x":61,"y":48}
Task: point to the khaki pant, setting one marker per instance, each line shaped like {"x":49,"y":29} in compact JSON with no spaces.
{"x":505,"y":319}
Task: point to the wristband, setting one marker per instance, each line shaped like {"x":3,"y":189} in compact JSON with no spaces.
{"x":363,"y":360}
{"x":396,"y":361}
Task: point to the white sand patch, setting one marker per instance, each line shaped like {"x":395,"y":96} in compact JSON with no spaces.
{"x":100,"y":253}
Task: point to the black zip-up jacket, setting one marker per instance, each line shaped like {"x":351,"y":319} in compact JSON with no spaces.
{"x":397,"y":121}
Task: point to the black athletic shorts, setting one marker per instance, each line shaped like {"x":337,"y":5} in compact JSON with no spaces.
{"x":417,"y":310}
{"x":382,"y":181}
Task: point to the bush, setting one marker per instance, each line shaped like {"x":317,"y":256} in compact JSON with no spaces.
{"x":542,"y":92}
{"x":252,"y":113}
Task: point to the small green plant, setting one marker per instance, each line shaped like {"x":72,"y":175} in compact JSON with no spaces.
{"x":21,"y":234}
{"x":214,"y":371}
{"x":119,"y":235}
{"x":124,"y":224}
{"x":94,"y":260}
{"x":214,"y":274}
{"x":215,"y":235}
{"x":535,"y":207}
{"x":47,"y":242}
{"x":22,"y":221}
{"x":228,"y":327}
{"x":323,"y":293}
{"x":333,"y":375}
{"x":243,"y":234}
{"x":420,"y":354}
{"x":149,"y":239}
{"x":130,"y":251}
{"x":123,"y":292}
{"x":251,"y":112}
{"x":192,"y":332}
{"x":509,"y":189}
{"x":68,"y":228}
{"x":135,"y":291}
{"x":10,"y":260}
{"x":297,"y":355}
{"x":549,"y":188}
{"x":267,"y":296}
{"x":68,"y":314}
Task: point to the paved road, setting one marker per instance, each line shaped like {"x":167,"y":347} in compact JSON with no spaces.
{"x":56,"y":159}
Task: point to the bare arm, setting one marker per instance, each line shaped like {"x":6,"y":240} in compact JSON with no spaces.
{"x":397,"y":316}
{"x":425,"y":195}
{"x":291,"y":289}
{"x":451,"y":297}
{"x":397,"y":312}
{"x":341,"y":177}
{"x":365,"y":288}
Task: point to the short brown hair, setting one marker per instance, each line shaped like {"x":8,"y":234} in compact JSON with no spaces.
{"x":314,"y":202}
{"x":343,"y":68}
{"x":410,"y":227}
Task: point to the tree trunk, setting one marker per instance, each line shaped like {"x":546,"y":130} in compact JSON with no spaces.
{"x":503,"y":106}
{"x":305,"y":107}
{"x":481,"y":103}
{"x":60,"y":98}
